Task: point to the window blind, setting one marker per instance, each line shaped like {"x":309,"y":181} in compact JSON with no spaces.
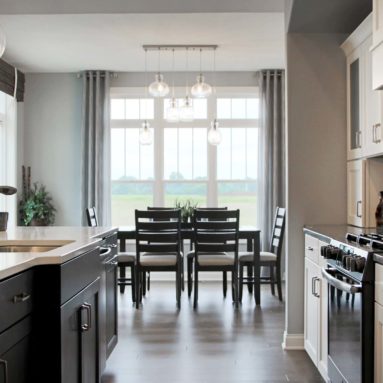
{"x":7,"y":81}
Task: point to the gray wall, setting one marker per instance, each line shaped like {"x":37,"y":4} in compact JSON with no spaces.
{"x":52,"y":123}
{"x":52,"y":130}
{"x":316,"y":190}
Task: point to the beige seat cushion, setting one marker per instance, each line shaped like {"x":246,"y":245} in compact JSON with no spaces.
{"x":126,"y":257}
{"x":191,"y":254}
{"x":218,"y":259}
{"x":265,"y":256}
{"x":158,"y":260}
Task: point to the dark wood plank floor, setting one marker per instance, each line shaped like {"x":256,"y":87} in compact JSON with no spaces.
{"x":216,"y":343}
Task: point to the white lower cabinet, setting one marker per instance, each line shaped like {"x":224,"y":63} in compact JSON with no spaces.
{"x":315,"y":311}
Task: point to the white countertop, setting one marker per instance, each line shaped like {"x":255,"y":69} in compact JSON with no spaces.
{"x":72,"y":241}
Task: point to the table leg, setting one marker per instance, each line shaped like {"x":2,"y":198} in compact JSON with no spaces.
{"x":257,"y":269}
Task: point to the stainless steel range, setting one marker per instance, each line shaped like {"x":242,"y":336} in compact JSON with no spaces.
{"x":350,"y":275}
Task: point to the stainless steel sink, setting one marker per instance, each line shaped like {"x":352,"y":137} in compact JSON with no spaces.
{"x":26,"y":249}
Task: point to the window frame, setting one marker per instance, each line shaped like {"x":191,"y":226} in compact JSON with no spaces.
{"x":158,"y":124}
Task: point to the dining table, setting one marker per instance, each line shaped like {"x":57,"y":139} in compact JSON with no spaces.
{"x":249,"y":233}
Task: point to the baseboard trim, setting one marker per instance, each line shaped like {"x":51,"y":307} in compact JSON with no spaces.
{"x":293,"y":341}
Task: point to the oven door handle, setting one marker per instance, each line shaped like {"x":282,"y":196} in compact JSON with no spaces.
{"x":338,"y":284}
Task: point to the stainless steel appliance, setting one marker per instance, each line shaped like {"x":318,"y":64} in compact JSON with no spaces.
{"x":350,"y":275}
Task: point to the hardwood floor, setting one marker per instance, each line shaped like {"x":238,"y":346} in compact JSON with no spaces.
{"x":215,"y":343}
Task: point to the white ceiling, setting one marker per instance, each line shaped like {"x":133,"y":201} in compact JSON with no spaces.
{"x":70,"y":43}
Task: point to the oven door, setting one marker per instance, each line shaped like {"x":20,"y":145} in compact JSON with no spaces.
{"x":344,"y":328}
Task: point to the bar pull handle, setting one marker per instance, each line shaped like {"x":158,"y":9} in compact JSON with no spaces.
{"x":23,"y":297}
{"x":358,"y":203}
{"x":376,"y":139}
{"x":5,"y":369}
{"x":88,"y":309}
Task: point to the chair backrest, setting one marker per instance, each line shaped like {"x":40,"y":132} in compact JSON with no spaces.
{"x":160,"y":209}
{"x":278,"y":232}
{"x":158,"y":231}
{"x":216,"y":231}
{"x":91,"y":216}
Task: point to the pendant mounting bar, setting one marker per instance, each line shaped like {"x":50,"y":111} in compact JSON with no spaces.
{"x":179,"y":47}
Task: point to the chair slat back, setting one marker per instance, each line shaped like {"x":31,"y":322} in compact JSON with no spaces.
{"x":278,"y":231}
{"x":91,"y":216}
{"x":216,"y":231}
{"x":158,"y":231}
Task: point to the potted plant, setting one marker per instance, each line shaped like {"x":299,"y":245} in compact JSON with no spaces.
{"x":187,"y":210}
{"x":36,"y":208}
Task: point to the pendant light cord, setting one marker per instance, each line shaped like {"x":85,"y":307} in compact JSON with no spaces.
{"x":187,"y":72}
{"x":173,"y":73}
{"x":146,"y":82}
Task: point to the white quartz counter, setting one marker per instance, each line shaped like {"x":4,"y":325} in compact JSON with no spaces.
{"x":71,"y":242}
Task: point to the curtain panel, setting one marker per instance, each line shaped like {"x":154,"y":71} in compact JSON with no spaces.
{"x":96,"y":184}
{"x":272,"y":151}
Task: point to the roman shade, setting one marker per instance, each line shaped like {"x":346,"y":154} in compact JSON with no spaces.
{"x":7,"y":80}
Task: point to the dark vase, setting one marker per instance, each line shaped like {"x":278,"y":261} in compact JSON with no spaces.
{"x":38,"y":222}
{"x":379,"y":212}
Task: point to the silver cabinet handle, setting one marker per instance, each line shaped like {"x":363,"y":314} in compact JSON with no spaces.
{"x":21,"y":297}
{"x":377,"y":140}
{"x":358,"y":140}
{"x":312,"y":286}
{"x":5,"y":370}
{"x":358,"y":203}
{"x":374,"y":133}
{"x":316,"y":279}
{"x":88,"y":309}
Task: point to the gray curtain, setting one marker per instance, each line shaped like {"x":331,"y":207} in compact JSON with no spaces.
{"x":272,"y":156}
{"x":96,"y":189}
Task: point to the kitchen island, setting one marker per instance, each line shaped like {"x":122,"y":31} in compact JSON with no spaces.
{"x":54,"y":321}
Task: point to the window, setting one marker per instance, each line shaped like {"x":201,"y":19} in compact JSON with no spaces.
{"x":181,"y":165}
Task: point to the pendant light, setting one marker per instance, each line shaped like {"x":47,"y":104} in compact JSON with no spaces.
{"x":201,"y":89}
{"x":186,"y":110}
{"x":214,"y":135}
{"x":146,"y":134}
{"x":2,"y":42}
{"x":159,"y":88}
{"x":172,"y":112}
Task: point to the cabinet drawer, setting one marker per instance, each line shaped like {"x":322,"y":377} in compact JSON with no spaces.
{"x":16,"y":298}
{"x":312,"y":248}
{"x":379,"y":283}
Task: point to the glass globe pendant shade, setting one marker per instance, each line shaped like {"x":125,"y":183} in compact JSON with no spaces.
{"x":159,"y":88}
{"x":201,"y":89}
{"x":2,"y":42}
{"x":146,"y":134}
{"x":173,"y":113}
{"x":214,"y":136}
{"x":186,"y":111}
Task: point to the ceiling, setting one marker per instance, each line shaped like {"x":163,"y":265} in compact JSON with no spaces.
{"x":328,"y":16}
{"x":75,"y":42}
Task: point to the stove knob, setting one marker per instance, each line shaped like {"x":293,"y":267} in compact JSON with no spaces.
{"x":352,"y":264}
{"x":360,"y":263}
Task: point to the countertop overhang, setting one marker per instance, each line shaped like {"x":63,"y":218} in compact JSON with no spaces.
{"x":71,"y":242}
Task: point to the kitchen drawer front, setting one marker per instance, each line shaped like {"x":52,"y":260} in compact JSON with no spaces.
{"x":312,"y":248}
{"x":79,"y":273}
{"x":379,"y":283}
{"x":16,"y":298}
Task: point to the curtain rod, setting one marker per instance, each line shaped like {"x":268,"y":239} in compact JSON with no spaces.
{"x":111,"y":74}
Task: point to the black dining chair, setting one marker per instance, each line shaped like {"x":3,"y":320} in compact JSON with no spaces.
{"x":190,"y":260}
{"x":270,"y":259}
{"x":216,"y":245}
{"x":124,"y":259}
{"x":158,"y":246}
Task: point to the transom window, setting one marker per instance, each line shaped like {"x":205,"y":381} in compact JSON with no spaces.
{"x":180,"y":165}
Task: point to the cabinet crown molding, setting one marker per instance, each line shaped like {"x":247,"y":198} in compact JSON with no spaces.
{"x":357,"y":37}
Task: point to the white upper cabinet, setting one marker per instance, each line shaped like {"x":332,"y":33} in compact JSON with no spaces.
{"x":356,"y":200}
{"x":364,"y":105}
{"x":377,"y":47}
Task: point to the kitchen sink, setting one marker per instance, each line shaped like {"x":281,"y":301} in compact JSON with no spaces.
{"x":26,"y":249}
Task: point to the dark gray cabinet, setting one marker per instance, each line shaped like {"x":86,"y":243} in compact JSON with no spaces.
{"x":111,"y":305}
{"x":15,"y":351}
{"x":80,"y":336}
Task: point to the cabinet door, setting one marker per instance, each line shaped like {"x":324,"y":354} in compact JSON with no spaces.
{"x":111,"y":306}
{"x":80,"y":336}
{"x":355,"y":97}
{"x":311,"y":310}
{"x":356,"y":192}
{"x":373,"y":126}
{"x":378,"y":343}
{"x":15,"y":353}
{"x":377,"y":21}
